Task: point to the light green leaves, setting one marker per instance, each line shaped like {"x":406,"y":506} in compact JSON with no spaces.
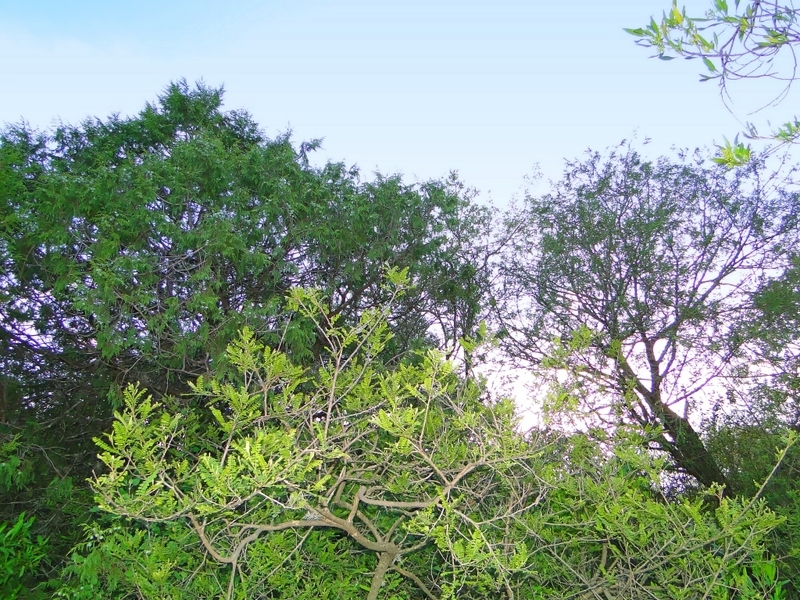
{"x":734,"y":154}
{"x":734,"y":44}
{"x":352,"y":445}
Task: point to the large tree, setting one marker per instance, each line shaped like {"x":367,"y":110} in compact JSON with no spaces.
{"x":754,"y":43}
{"x":632,"y":277}
{"x":133,"y":249}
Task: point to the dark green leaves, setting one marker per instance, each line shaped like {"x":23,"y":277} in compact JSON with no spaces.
{"x":132,"y":249}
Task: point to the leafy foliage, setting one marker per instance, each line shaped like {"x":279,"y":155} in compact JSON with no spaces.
{"x":605,"y":529}
{"x":389,"y":459}
{"x":746,"y":40}
{"x":20,"y":554}
{"x":133,"y":250}
{"x":265,"y":352}
{"x":630,"y":279}
{"x":396,"y":483}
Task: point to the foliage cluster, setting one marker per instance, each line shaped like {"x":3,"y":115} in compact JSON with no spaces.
{"x":276,"y":361}
{"x":134,"y":249}
{"x":411,"y":480}
{"x":735,"y":41}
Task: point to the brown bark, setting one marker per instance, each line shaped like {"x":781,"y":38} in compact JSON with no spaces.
{"x":688,"y":449}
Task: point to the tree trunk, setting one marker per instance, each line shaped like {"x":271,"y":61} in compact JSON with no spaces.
{"x":688,"y":449}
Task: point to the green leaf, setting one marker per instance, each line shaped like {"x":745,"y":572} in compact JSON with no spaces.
{"x":639,"y":32}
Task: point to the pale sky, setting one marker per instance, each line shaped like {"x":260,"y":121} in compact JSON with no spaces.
{"x":489,"y":89}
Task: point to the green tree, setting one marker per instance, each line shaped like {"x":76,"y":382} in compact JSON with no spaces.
{"x":393,"y":461}
{"x":752,"y":41}
{"x":748,"y":40}
{"x":631,"y":278}
{"x":355,"y":481}
{"x":133,"y":250}
{"x":762,"y":406}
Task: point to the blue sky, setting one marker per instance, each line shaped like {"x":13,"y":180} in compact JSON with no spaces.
{"x":420,"y":87}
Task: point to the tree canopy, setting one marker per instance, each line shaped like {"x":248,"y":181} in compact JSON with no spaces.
{"x":633,"y":275}
{"x":227,"y":371}
{"x":134,"y":249}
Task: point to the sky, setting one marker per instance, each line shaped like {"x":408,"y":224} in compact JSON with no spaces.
{"x":495,"y":90}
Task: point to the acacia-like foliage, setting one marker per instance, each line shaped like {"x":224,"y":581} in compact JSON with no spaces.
{"x":632,"y":278}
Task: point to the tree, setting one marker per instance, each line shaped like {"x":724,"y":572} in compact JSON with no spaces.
{"x":386,"y":458}
{"x":133,"y":250}
{"x":631,"y":278}
{"x":752,"y":40}
{"x":355,"y":480}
